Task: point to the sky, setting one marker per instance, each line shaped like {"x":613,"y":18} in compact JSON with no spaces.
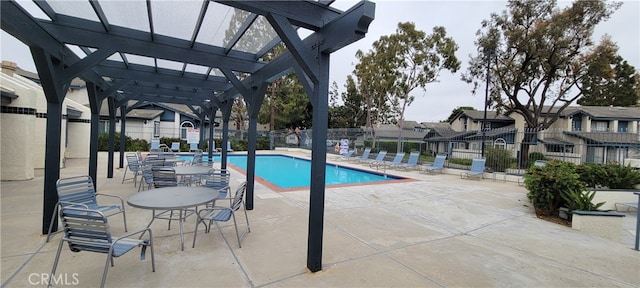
{"x":461,"y":20}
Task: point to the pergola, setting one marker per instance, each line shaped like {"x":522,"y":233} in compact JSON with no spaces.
{"x":200,"y":53}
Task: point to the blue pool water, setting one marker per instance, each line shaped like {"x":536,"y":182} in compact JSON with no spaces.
{"x":289,"y":172}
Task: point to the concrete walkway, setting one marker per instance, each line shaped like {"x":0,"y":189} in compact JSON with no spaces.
{"x":437,"y":231}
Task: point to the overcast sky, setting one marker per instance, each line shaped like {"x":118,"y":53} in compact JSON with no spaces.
{"x":460,"y":18}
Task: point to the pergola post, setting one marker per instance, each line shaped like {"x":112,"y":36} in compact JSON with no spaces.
{"x":54,"y":90}
{"x":320,"y":102}
{"x":123,"y":121}
{"x":226,"y":115}
{"x":112,"y":133}
{"x":94,"y":105}
{"x":254,"y":102}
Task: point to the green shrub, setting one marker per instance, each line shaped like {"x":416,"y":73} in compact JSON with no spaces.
{"x":621,"y":177}
{"x":460,"y":161}
{"x":579,"y":200}
{"x":130,"y":144}
{"x":534,"y":156}
{"x":262,"y":143}
{"x":610,"y":175}
{"x":498,"y":159}
{"x":546,"y":185}
{"x":592,"y":174}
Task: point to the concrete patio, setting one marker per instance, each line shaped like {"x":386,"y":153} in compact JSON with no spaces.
{"x":437,"y":231}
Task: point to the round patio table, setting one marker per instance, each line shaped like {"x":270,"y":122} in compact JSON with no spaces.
{"x":172,"y":198}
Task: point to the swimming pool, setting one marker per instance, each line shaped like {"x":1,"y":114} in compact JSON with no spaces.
{"x":282,"y":173}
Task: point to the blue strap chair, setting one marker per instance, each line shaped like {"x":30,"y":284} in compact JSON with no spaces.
{"x":437,"y":166}
{"x":223,"y":214}
{"x":88,"y":230}
{"x":79,"y":192}
{"x":476,"y":171}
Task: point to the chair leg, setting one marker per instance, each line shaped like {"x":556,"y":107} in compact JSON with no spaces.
{"x":153,"y":259}
{"x":235,"y":225}
{"x":53,"y":218}
{"x":124,"y":219}
{"x":246,"y":217}
{"x":125,"y":173}
{"x":55,"y":263}
{"x":106,"y":268}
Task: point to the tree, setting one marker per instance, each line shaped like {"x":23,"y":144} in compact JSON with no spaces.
{"x":536,"y":54}
{"x":610,"y":80}
{"x":373,"y":81}
{"x":457,"y":111}
{"x":351,"y":114}
{"x":413,"y":59}
{"x":292,"y":106}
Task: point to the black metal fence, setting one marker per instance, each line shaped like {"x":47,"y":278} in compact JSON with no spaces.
{"x":506,"y":150}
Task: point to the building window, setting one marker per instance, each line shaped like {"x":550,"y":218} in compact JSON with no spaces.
{"x":599,"y":126}
{"x":156,"y":129}
{"x":183,"y":129}
{"x":559,"y":148}
{"x":623,"y":126}
{"x":576,"y":124}
{"x":500,"y":143}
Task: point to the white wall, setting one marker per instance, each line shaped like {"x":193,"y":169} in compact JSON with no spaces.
{"x":16,"y":153}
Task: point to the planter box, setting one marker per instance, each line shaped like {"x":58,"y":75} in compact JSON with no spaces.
{"x":613,"y":196}
{"x":607,"y":225}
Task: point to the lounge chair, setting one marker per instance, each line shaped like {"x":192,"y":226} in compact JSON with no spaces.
{"x":363,"y":157}
{"x":346,"y":157}
{"x":88,"y":230}
{"x":379,"y":158}
{"x":387,"y":164}
{"x":438,"y":165}
{"x":229,"y":146}
{"x":79,"y":192}
{"x":155,"y":144}
{"x":193,"y":147}
{"x":223,"y":214}
{"x":175,"y":146}
{"x":476,"y":171}
{"x":411,"y":163}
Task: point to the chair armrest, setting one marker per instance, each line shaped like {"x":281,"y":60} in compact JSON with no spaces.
{"x":73,"y":204}
{"x":112,"y":196}
{"x":127,"y":235}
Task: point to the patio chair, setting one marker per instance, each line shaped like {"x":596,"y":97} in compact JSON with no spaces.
{"x":223,"y":214}
{"x":438,"y":165}
{"x":363,"y":157}
{"x":88,"y":230}
{"x":411,"y":163}
{"x":146,"y":175}
{"x":175,"y":147}
{"x":166,"y":177}
{"x":79,"y":192}
{"x":219,"y":180}
{"x":193,"y":147}
{"x":387,"y":164}
{"x":379,"y":158}
{"x":476,"y":171}
{"x":133,"y":166}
